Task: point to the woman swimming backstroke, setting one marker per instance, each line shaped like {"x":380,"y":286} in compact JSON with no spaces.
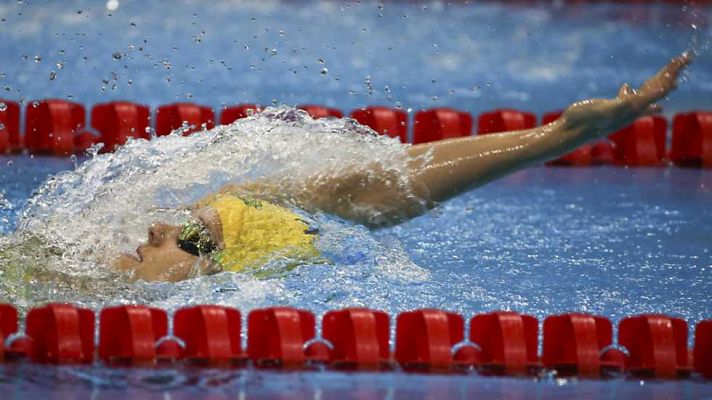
{"x":243,"y":226}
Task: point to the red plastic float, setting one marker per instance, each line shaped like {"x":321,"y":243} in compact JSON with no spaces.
{"x":386,"y":121}
{"x":641,"y":144}
{"x":573,"y":345}
{"x":276,"y":336}
{"x":10,"y":141}
{"x":657,"y":345}
{"x":233,"y":113}
{"x":425,"y":339}
{"x":508,"y":342}
{"x":503,"y":120}
{"x":359,"y":337}
{"x":128,"y":334}
{"x":703,"y":348}
{"x":50,"y":126}
{"x":8,"y":325}
{"x":211,"y":334}
{"x":692,"y":139}
{"x":192,"y":117}
{"x":441,"y":123}
{"x":119,"y":120}
{"x":317,"y":111}
{"x":602,"y":152}
{"x":83,"y":140}
{"x":61,"y":334}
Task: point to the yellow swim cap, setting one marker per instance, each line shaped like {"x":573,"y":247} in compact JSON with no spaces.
{"x":255,"y":231}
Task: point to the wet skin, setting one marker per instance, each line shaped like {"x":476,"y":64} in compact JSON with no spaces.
{"x":160,"y":258}
{"x":454,"y":165}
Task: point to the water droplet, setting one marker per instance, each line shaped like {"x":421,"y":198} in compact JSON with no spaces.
{"x":3,"y":107}
{"x":324,"y":71}
{"x":60,"y":65}
{"x":321,"y":61}
{"x":52,"y":76}
{"x":38,"y":59}
{"x":116,"y":55}
{"x":2,"y":126}
{"x":9,"y":163}
{"x":35,"y":104}
{"x":112,"y":5}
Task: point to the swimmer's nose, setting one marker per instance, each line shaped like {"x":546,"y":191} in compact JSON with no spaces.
{"x":158,"y":233}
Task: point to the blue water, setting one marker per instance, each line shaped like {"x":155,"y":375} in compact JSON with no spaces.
{"x":607,"y":240}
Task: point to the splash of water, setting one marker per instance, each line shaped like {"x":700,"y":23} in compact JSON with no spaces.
{"x":79,"y":220}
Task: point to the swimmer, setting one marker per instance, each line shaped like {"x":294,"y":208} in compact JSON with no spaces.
{"x":243,"y":226}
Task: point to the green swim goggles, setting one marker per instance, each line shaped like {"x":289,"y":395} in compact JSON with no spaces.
{"x":195,"y":239}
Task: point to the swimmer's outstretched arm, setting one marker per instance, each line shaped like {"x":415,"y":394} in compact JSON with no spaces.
{"x":451,"y":166}
{"x":463,"y":163}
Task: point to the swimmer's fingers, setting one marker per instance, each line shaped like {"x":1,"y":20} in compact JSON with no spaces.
{"x":662,"y":83}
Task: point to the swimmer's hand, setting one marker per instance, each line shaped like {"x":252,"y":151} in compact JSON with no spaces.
{"x":596,"y":117}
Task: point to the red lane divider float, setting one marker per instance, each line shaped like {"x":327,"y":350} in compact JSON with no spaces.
{"x":8,"y":326}
{"x":692,"y":140}
{"x":703,"y":349}
{"x":504,"y":120}
{"x":57,"y":127}
{"x":317,"y":111}
{"x":359,"y":337}
{"x":211,"y":334}
{"x":657,"y":346}
{"x":118,"y":121}
{"x":61,"y":334}
{"x":233,"y":113}
{"x":508,"y":342}
{"x":385,"y":121}
{"x":441,"y":123}
{"x":188,"y":116}
{"x":426,"y":340}
{"x":641,"y":144}
{"x":574,"y":344}
{"x":10,"y":140}
{"x":128,"y":334}
{"x":50,"y":126}
{"x":277,"y":336}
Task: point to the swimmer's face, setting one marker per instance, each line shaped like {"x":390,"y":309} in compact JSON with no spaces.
{"x":160,"y":258}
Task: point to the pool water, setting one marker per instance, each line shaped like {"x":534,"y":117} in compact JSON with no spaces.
{"x":604,"y":240}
